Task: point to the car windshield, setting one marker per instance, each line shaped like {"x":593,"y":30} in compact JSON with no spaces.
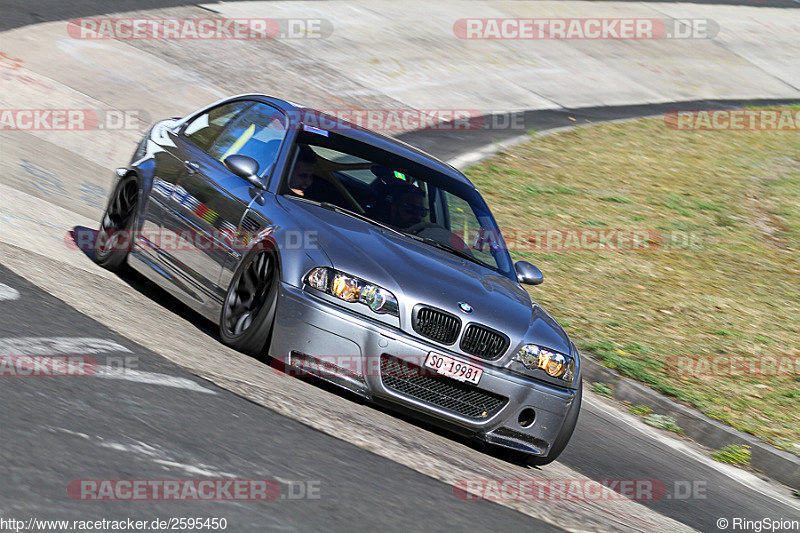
{"x":393,"y":191}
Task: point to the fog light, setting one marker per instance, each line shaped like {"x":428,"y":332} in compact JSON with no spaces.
{"x":526,"y":417}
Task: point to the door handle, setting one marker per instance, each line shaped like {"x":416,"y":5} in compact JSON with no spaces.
{"x":191,"y":167}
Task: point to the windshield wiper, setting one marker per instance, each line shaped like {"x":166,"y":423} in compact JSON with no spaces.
{"x":345,"y":211}
{"x":359,"y":216}
{"x":448,"y":248}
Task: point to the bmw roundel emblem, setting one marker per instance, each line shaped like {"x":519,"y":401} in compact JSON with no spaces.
{"x":464,"y":306}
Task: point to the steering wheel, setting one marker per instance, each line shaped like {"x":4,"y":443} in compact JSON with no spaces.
{"x":355,"y":206}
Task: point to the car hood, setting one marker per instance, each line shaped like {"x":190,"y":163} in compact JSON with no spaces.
{"x":418,"y":273}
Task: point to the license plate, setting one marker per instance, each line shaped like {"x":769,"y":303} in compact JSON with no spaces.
{"x":452,"y":368}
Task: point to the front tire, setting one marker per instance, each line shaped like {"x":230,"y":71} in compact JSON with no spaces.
{"x":115,"y":237}
{"x":248,"y":312}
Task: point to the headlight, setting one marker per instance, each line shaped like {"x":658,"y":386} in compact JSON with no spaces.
{"x":555,"y":364}
{"x":346,"y":287}
{"x":352,"y":289}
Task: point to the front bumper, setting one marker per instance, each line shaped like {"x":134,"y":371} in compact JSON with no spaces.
{"x":353,"y":351}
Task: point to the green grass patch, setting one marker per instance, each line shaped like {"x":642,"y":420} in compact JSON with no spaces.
{"x":735,"y":454}
{"x":726,"y":333}
{"x":602,"y":389}
{"x":507,"y":171}
{"x":548,"y":189}
{"x":708,"y":206}
{"x":593,"y":222}
{"x":676,"y":203}
{"x":664,"y":422}
{"x":640,"y":410}
{"x":724,"y":221}
{"x":616,"y":199}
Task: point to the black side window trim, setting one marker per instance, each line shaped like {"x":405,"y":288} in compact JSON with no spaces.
{"x":182,"y":135}
{"x":252,"y":103}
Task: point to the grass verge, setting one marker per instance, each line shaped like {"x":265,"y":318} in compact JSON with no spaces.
{"x":705,"y":305}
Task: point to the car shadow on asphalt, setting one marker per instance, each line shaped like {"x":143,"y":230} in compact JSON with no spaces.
{"x":83,"y":239}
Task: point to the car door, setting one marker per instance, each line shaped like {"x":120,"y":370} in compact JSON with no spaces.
{"x":166,"y":147}
{"x":209,"y":201}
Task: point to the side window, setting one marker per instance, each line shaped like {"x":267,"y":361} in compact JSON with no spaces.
{"x":462,"y":218}
{"x":257,"y":133}
{"x":203,"y":129}
{"x":466,"y":226}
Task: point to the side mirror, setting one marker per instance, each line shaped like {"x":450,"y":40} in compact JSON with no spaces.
{"x":527,"y":273}
{"x":245,"y":167}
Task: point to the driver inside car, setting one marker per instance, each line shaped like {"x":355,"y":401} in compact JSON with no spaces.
{"x":407,"y":207}
{"x":303,"y":175}
{"x":305,"y":182}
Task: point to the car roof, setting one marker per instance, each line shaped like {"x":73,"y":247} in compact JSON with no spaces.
{"x":312,"y":117}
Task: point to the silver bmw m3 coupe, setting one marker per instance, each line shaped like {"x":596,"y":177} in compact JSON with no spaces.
{"x":370,"y":264}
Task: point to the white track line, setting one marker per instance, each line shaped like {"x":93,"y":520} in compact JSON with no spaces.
{"x":89,"y":345}
{"x":57,"y":346}
{"x":151,"y":378}
{"x":8,"y":293}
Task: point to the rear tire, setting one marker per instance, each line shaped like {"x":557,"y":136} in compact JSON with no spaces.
{"x":563,"y":436}
{"x":115,"y":236}
{"x":248,"y":312}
